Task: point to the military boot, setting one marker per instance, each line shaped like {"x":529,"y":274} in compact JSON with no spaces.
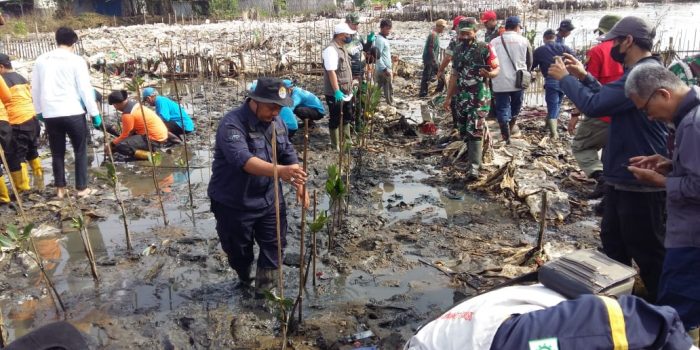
{"x":474,"y":155}
{"x":347,"y":132}
{"x":264,"y":281}
{"x":514,"y":129}
{"x":334,"y":139}
{"x":505,"y":132}
{"x":4,"y":193}
{"x":552,"y":127}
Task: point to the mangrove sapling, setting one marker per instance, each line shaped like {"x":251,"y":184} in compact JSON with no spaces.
{"x":22,"y":241}
{"x":284,"y":314}
{"x":111,"y":176}
{"x":78,"y":222}
{"x":154,"y":158}
{"x":184,"y":137}
{"x":316,"y":226}
{"x":335,"y":187}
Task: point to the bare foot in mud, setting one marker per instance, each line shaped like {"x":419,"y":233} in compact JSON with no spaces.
{"x":85,"y":193}
{"x":61,"y":192}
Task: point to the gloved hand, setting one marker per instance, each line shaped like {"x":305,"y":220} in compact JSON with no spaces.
{"x":370,"y":37}
{"x":339,"y":95}
{"x":97,"y":121}
{"x":40,"y":117}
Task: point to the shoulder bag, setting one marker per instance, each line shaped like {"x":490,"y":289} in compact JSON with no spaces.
{"x":522,"y":76}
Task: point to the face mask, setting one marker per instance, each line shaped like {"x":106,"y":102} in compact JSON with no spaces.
{"x":348,"y":39}
{"x":616,"y":55}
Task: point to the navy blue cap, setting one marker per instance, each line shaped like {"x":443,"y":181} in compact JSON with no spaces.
{"x":549,"y":32}
{"x":512,"y":21}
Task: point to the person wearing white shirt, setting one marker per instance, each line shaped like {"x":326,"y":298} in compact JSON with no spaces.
{"x":62,"y":94}
{"x":514,"y":51}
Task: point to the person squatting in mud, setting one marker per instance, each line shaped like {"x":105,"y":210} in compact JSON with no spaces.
{"x":173,"y":114}
{"x":473,"y":62}
{"x":138,"y":122}
{"x":242,"y":189}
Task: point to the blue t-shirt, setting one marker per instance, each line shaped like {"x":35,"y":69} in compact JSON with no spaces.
{"x":300,"y":98}
{"x":169,"y":110}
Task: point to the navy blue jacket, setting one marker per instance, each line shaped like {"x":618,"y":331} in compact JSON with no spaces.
{"x":543,"y":56}
{"x":631,"y":133}
{"x":584,"y":323}
{"x":241,"y":136}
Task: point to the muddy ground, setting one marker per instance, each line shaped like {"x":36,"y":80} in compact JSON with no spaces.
{"x":415,"y":240}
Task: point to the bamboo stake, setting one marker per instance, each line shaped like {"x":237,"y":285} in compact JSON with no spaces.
{"x":313,"y":243}
{"x":280,"y":281}
{"x":302,"y":279}
{"x":184,"y":137}
{"x":543,"y":221}
{"x":3,"y":340}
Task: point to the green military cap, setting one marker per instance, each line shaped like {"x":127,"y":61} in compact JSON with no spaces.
{"x":353,"y":18}
{"x":468,"y":23}
{"x":607,"y":22}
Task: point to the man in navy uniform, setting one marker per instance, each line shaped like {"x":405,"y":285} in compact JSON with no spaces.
{"x":241,"y":186}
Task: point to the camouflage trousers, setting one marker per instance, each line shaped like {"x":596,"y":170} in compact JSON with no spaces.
{"x":470,"y":115}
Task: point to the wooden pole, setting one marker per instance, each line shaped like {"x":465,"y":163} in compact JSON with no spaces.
{"x":280,"y":280}
{"x":313,"y":243}
{"x":302,"y":279}
{"x":543,"y":221}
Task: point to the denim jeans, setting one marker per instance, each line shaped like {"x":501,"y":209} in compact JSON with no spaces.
{"x":553,"y":96}
{"x":508,"y":105}
{"x":76,"y":128}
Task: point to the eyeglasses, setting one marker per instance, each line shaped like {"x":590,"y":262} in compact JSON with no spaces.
{"x":646,"y":105}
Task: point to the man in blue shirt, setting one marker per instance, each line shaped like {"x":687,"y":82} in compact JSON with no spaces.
{"x":633,"y":219}
{"x":175,"y":117}
{"x":564,"y":30}
{"x":242,"y":189}
{"x":543,"y":58}
{"x":384,"y":74}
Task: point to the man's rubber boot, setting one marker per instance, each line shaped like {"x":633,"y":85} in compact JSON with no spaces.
{"x":38,"y":173}
{"x":514,"y":129}
{"x":347,"y":132}
{"x":25,"y":175}
{"x":4,"y":193}
{"x":245,"y":281}
{"x":334,"y":139}
{"x":505,"y":132}
{"x":141,"y":154}
{"x":474,"y":156}
{"x":264,"y":281}
{"x":552,"y":127}
{"x":18,"y":179}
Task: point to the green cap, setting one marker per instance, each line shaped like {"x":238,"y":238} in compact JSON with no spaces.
{"x":607,"y":22}
{"x":467,"y":24}
{"x":353,"y":18}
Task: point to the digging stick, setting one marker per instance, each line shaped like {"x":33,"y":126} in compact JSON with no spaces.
{"x":280,"y":281}
{"x":313,"y":243}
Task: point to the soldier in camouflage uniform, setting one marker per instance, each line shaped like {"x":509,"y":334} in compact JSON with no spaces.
{"x":688,"y":69}
{"x":473,"y":63}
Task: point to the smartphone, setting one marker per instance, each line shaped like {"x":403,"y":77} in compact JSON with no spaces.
{"x":484,"y":66}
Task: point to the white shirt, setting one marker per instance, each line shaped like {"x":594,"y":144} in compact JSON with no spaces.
{"x":330,"y":58}
{"x":517,"y":47}
{"x":473,"y":324}
{"x":60,"y":82}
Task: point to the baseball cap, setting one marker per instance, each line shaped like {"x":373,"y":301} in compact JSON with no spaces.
{"x":148,"y":92}
{"x":456,"y":20}
{"x":566,"y":25}
{"x":512,"y":21}
{"x":441,"y":23}
{"x":353,"y":18}
{"x":488,"y":15}
{"x":549,"y":32}
{"x":607,"y":22}
{"x":5,"y":60}
{"x":342,"y":28}
{"x":468,"y":23}
{"x":638,"y":28}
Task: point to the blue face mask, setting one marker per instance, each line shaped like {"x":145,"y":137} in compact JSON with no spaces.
{"x":348,"y":39}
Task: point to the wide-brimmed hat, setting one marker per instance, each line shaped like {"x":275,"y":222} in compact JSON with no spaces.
{"x":271,"y":90}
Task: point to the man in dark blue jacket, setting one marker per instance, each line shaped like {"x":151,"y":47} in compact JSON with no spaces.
{"x":242,"y":189}
{"x":542,"y":58}
{"x":634,"y":215}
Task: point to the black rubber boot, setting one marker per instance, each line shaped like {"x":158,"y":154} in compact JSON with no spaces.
{"x":505,"y":132}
